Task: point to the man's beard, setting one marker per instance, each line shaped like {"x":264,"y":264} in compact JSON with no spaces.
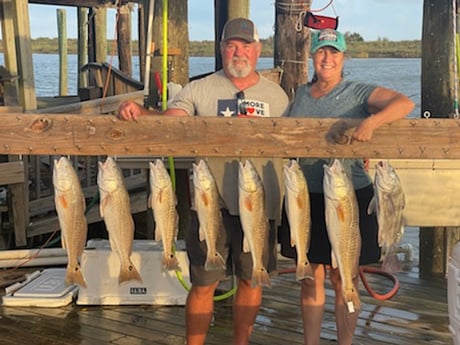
{"x":239,"y":71}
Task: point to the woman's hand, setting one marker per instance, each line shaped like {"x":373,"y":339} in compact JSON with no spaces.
{"x":364,"y":130}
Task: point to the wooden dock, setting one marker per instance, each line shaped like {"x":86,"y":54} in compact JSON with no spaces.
{"x":417,"y":314}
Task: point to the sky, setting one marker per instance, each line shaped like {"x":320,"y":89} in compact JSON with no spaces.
{"x":395,"y":20}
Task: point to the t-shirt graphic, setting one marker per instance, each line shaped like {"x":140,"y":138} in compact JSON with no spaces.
{"x":227,"y":107}
{"x":242,"y":107}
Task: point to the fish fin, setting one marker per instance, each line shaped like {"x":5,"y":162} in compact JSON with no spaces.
{"x":340,"y":213}
{"x":300,"y":202}
{"x":170,"y":262}
{"x":304,"y":270}
{"x":260,"y":277}
{"x":391,"y":263}
{"x":103,"y":204}
{"x":129,"y":273}
{"x":215,"y":262}
{"x":61,"y":199}
{"x":352,"y":300}
{"x":201,"y":233}
{"x":74,"y":276}
{"x":246,"y":246}
{"x":205,"y":199}
{"x":333,"y":260}
{"x":160,"y":196}
{"x":157,"y":234}
{"x":248,"y":204}
{"x":372,"y":206}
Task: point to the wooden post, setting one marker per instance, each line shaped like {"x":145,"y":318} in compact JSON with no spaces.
{"x":100,"y":23}
{"x":82,"y":45}
{"x":291,"y":44}
{"x":26,"y":83}
{"x":238,"y":8}
{"x":18,"y":61}
{"x":178,"y":65}
{"x":225,"y":10}
{"x":62,"y":44}
{"x":125,"y":55}
{"x":438,"y":101}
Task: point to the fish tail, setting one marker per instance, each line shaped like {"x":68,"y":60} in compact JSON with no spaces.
{"x":352,"y":300}
{"x":128,"y":273}
{"x":170,"y":262}
{"x":260,"y":277}
{"x":391,"y":263}
{"x":74,"y":276}
{"x":214,"y":262}
{"x":304,"y":270}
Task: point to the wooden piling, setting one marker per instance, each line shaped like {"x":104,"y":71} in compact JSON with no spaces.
{"x":62,"y":47}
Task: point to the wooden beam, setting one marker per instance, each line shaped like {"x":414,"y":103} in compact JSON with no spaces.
{"x":69,"y":134}
{"x":12,"y":172}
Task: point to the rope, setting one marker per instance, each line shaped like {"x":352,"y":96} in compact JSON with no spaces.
{"x":325,"y":7}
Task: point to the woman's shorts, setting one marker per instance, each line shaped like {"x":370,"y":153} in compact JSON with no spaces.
{"x":320,"y":247}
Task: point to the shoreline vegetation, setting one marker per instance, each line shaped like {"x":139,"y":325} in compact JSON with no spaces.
{"x":356,"y":47}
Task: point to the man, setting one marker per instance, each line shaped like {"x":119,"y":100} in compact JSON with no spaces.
{"x":237,"y":90}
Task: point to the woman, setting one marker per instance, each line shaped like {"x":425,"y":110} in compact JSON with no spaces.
{"x":330,"y":95}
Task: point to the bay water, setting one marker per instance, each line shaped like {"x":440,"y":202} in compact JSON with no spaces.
{"x":403,"y":75}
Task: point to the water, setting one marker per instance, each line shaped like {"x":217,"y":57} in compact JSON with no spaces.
{"x":403,"y":75}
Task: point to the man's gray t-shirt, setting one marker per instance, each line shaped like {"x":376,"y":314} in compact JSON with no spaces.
{"x":215,"y":95}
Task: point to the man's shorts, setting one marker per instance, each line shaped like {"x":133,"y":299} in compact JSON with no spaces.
{"x":230,"y":246}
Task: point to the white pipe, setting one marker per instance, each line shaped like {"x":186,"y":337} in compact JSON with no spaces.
{"x":149,"y":52}
{"x":33,"y":257}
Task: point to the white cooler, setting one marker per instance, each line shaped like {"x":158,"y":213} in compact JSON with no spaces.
{"x":453,"y":291}
{"x":100,"y":267}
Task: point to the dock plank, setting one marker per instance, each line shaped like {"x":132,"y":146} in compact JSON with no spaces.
{"x":417,"y":314}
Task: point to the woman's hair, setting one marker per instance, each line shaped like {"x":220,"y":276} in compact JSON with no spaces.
{"x":314,"y":79}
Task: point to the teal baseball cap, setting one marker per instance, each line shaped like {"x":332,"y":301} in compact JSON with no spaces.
{"x":328,"y":38}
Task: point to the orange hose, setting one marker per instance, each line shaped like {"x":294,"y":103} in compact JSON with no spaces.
{"x":367,"y":269}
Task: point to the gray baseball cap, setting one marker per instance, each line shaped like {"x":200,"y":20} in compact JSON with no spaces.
{"x":240,"y":28}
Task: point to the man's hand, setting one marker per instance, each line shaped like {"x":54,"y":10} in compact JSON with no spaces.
{"x":129,"y":110}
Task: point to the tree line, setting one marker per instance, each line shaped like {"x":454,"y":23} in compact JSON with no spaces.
{"x":357,"y":47}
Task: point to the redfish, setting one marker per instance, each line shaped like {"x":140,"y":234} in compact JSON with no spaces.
{"x":253,"y":220}
{"x":115,"y":209}
{"x":207,"y":205}
{"x":342,"y":222}
{"x":297,"y":203}
{"x":70,"y":208}
{"x":388,"y":203}
{"x":163,"y":202}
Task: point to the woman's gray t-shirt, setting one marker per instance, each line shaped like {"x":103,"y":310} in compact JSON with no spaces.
{"x":347,"y":100}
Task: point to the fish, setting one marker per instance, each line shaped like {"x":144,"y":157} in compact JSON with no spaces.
{"x":163,"y":202}
{"x":115,"y":209}
{"x":207,"y":205}
{"x":70,"y":208}
{"x":297,"y":204}
{"x":342,"y":224}
{"x":251,"y":201}
{"x":388,"y":203}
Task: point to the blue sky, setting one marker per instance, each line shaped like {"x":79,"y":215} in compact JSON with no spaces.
{"x":373,"y":19}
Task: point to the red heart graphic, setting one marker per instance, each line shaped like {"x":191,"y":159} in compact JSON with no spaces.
{"x":250,"y":110}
